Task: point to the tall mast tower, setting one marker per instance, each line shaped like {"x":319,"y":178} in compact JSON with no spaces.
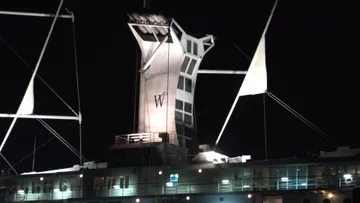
{"x":170,"y":61}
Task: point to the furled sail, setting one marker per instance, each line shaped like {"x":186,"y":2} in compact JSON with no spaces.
{"x":255,"y":81}
{"x":27,"y":104}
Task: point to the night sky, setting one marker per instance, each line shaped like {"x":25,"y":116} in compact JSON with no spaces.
{"x":311,"y":57}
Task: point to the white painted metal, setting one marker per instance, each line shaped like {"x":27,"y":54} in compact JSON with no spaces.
{"x":147,"y":64}
{"x":231,"y":72}
{"x":16,"y":13}
{"x":161,"y":79}
{"x":34,"y":116}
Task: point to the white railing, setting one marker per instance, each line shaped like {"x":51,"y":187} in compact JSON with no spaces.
{"x":137,"y":138}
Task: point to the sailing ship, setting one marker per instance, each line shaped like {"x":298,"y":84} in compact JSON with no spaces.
{"x":153,"y":164}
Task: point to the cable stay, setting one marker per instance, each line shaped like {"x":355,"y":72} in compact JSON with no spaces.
{"x":33,"y":151}
{"x":61,"y":139}
{"x":38,"y":76}
{"x":25,"y":109}
{"x":302,"y":118}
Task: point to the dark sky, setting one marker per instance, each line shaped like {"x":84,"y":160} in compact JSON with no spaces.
{"x":311,"y":57}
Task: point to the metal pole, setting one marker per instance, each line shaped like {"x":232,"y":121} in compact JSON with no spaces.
{"x":231,"y":72}
{"x":34,"y":154}
{"x":34,"y":74}
{"x":34,"y":116}
{"x":136,"y":88}
{"x":16,"y":13}
{"x":77,"y":86}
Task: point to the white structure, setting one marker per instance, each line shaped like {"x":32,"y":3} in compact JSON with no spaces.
{"x":170,"y":63}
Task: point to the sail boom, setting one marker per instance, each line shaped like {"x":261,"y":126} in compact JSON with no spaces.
{"x":17,"y":13}
{"x":230,"y":72}
{"x":34,"y":116}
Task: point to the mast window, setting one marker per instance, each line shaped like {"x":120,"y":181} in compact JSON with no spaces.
{"x":191,"y":67}
{"x":181,"y":83}
{"x":188,"y":85}
{"x":189,"y":46}
{"x":185,"y":64}
{"x":178,"y":116}
{"x":179,"y":104}
{"x":188,"y":107}
{"x":187,"y":119}
{"x":195,"y":48}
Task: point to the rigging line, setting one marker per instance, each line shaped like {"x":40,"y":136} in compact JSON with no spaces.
{"x":32,"y":151}
{"x":57,"y":135}
{"x":294,"y":113}
{"x":64,"y":141}
{"x":265,"y":128}
{"x":167,"y":86}
{"x":9,"y":164}
{"x":320,"y":131}
{"x":147,"y":104}
{"x":136,"y":87}
{"x":77,"y":84}
{"x":76,"y":63}
{"x":37,"y":75}
{"x":297,"y":116}
{"x":33,"y":74}
{"x":237,"y":47}
{"x":300,"y":117}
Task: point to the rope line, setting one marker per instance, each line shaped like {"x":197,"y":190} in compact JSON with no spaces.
{"x":37,"y":75}
{"x":302,"y":118}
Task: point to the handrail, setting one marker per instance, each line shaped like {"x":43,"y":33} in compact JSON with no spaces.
{"x":188,"y":187}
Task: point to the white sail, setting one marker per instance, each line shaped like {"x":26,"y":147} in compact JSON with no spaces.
{"x":255,"y":81}
{"x":27,"y":104}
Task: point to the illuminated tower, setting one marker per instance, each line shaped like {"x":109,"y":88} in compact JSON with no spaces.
{"x":170,"y":59}
{"x":170,"y":63}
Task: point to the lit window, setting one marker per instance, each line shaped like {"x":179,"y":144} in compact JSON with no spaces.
{"x":121,"y":181}
{"x":126,"y":181}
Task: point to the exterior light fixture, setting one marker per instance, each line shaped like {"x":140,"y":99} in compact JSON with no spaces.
{"x":200,"y":170}
{"x":285,"y":179}
{"x":225,"y":181}
{"x":160,"y":172}
{"x":81,"y":175}
{"x":249,"y":196}
{"x":330,"y":195}
{"x":41,"y":178}
{"x":137,"y":200}
{"x":187,"y":197}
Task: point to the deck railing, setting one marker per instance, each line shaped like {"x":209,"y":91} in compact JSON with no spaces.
{"x":195,"y":187}
{"x":137,"y":138}
{"x":221,"y":186}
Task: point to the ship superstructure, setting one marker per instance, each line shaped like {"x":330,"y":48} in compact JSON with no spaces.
{"x":153,"y":164}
